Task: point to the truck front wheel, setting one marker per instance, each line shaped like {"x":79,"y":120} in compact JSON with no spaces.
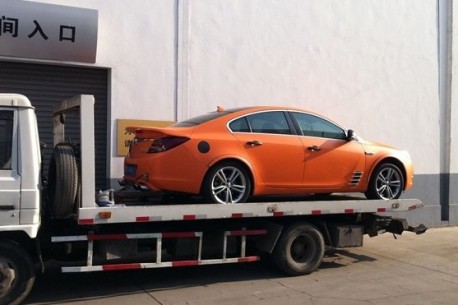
{"x":300,"y":249}
{"x":16,"y":273}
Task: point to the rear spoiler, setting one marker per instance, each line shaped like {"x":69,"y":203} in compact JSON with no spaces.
{"x":148,"y":132}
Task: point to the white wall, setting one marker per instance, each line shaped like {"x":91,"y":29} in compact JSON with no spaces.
{"x":454,"y":121}
{"x":370,"y":65}
{"x":136,"y":40}
{"x":454,"y":97}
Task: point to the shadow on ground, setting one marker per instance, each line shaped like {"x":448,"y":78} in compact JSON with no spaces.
{"x":61,"y":288}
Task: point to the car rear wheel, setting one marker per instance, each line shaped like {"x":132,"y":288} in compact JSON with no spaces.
{"x":227,"y":182}
{"x":387,"y":182}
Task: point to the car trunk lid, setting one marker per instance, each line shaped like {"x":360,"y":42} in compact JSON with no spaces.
{"x":156,"y":139}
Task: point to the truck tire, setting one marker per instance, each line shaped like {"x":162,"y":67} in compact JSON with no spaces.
{"x":63,"y":181}
{"x":16,"y":273}
{"x":300,"y":249}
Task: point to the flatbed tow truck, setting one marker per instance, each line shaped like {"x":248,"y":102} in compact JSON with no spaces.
{"x":60,"y":219}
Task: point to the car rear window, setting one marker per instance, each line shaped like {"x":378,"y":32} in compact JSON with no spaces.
{"x":205,"y":117}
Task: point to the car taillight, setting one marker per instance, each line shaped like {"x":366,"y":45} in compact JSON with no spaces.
{"x":166,"y":143}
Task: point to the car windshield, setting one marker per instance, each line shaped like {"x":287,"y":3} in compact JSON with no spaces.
{"x":205,"y":117}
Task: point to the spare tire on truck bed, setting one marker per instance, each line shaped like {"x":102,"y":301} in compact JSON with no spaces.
{"x":63,"y":181}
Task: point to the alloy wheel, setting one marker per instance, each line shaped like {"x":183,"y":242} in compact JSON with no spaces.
{"x":229,"y":185}
{"x":389,"y":183}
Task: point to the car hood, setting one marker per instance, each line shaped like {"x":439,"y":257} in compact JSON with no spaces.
{"x":376,"y":144}
{"x":381,"y":149}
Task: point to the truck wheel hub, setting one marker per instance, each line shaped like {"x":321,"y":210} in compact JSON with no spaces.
{"x":6,"y":277}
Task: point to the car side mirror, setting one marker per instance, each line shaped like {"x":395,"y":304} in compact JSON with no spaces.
{"x":350,"y":134}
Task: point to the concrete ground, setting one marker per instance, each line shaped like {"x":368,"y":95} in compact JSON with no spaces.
{"x":413,"y":269}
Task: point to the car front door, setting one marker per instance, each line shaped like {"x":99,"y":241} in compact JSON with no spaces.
{"x":274,"y":152}
{"x":10,"y":180}
{"x":332,"y":162}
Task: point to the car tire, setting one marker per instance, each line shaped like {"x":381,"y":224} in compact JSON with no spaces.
{"x":386,"y":182}
{"x":227,"y":183}
{"x":300,"y":249}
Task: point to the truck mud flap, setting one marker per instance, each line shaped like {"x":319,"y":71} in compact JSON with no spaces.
{"x":375,"y":224}
{"x":418,"y":229}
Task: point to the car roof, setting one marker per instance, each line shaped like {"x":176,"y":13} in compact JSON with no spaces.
{"x":222,"y":113}
{"x":266,"y":108}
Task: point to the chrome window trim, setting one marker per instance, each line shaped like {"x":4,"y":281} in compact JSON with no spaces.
{"x":324,"y":119}
{"x":290,"y":112}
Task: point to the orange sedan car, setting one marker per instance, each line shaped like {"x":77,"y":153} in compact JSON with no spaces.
{"x":227,"y":156}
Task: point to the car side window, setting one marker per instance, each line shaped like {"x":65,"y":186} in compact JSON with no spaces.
{"x":314,"y":126}
{"x":239,"y":125}
{"x":6,"y":138}
{"x":274,"y":122}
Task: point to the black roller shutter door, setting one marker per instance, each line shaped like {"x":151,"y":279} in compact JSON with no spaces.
{"x":46,"y":85}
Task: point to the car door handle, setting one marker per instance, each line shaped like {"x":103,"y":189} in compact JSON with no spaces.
{"x":314,"y":148}
{"x":254,"y":143}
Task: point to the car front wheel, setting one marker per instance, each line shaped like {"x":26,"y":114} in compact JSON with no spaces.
{"x":227,"y":182}
{"x":387,"y":182}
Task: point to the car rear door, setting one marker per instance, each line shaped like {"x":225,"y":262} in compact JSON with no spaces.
{"x":276,"y":155}
{"x":332,"y":162}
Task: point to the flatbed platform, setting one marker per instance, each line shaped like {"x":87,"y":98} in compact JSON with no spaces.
{"x":173,"y":212}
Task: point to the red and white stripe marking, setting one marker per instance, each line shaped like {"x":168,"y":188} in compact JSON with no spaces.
{"x":120,"y":236}
{"x":186,"y":263}
{"x":158,"y":213}
{"x":277,"y":213}
{"x":158,"y":264}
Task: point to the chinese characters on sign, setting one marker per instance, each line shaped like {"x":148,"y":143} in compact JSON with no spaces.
{"x":10,"y":26}
{"x":46,"y":31}
{"x":67,"y":33}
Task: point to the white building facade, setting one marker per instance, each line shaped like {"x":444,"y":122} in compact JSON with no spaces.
{"x":382,"y":68}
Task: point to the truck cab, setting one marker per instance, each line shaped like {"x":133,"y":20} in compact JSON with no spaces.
{"x":20,"y":163}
